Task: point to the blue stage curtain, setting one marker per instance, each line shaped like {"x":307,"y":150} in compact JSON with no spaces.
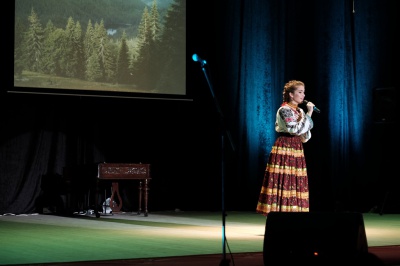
{"x":342,"y":50}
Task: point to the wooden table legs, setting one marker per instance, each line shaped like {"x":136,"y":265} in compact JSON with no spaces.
{"x":116,"y":206}
{"x":144,"y":190}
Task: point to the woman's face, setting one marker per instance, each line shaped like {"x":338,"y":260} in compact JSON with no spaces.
{"x":298,"y":95}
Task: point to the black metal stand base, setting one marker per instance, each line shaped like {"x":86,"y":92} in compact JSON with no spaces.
{"x":224,"y":262}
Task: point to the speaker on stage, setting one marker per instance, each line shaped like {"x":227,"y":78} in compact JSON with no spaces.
{"x":314,"y":238}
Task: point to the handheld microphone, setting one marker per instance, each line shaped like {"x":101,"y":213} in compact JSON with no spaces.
{"x":315,"y":108}
{"x":197,"y":58}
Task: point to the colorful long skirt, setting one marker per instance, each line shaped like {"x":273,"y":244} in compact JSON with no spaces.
{"x":285,"y":184}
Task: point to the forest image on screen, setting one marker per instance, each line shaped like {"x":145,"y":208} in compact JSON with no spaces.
{"x":128,"y":46}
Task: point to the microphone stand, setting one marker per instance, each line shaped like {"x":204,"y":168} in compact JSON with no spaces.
{"x":224,"y":261}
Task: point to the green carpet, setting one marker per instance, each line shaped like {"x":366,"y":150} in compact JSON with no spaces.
{"x":29,"y":239}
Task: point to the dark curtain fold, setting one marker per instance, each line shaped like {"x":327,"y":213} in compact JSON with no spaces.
{"x":39,"y":138}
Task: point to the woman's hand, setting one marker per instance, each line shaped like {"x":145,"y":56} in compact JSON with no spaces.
{"x":310,"y":108}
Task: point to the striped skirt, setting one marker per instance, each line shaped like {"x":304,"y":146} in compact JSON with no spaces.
{"x":285,"y":184}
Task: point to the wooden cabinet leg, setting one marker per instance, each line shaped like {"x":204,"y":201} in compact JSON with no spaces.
{"x":146,"y":196}
{"x":115,"y":191}
{"x":140,"y":198}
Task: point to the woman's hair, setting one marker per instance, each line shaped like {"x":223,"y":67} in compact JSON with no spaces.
{"x":290,"y":86}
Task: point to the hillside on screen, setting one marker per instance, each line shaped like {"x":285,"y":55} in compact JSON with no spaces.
{"x":130,"y":46}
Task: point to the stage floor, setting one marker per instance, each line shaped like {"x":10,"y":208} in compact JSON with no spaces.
{"x":162,"y":238}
